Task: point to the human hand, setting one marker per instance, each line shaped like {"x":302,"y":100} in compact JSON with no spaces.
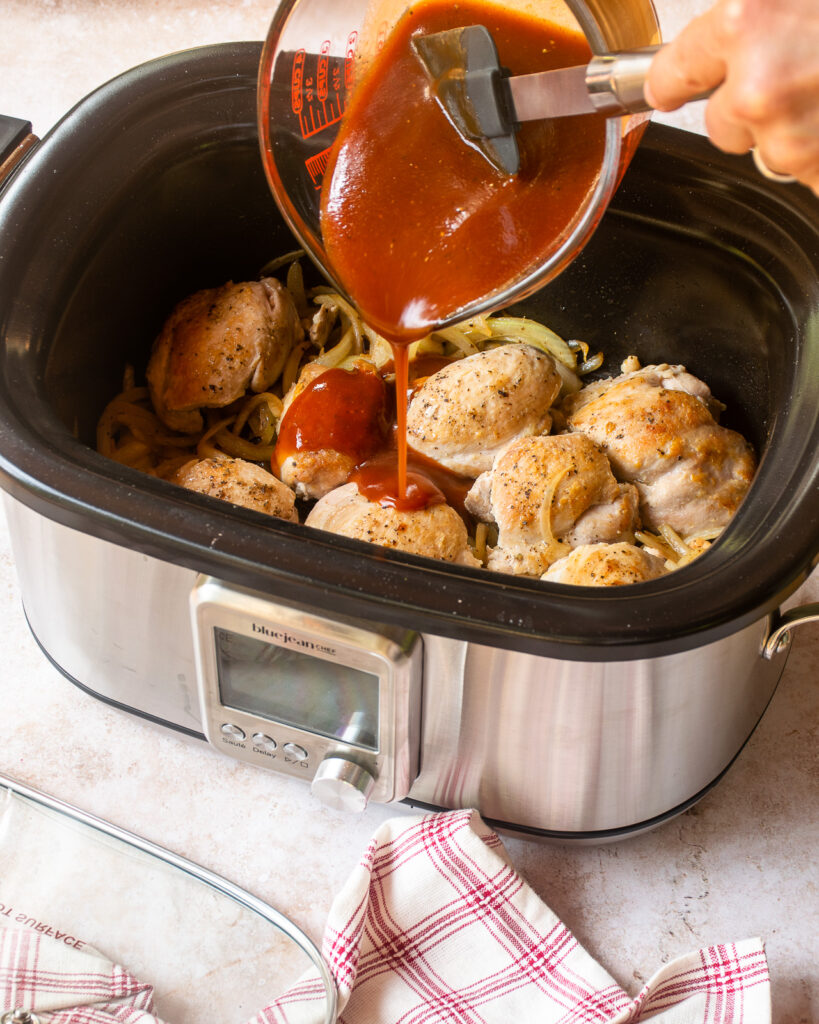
{"x":762,"y":59}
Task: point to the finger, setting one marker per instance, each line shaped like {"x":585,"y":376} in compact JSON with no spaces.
{"x":785,"y":146}
{"x":686,"y":67}
{"x":725,"y":130}
{"x":806,"y":175}
{"x":786,"y":151}
{"x":767,"y":171}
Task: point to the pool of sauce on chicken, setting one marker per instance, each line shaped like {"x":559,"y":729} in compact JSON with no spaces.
{"x":353,"y":412}
{"x":417,"y":224}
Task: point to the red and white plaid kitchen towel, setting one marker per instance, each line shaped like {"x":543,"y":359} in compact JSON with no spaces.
{"x":436,"y":927}
{"x":66,"y":985}
{"x":433,"y":927}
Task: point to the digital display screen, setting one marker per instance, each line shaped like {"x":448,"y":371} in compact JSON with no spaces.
{"x":298,"y":689}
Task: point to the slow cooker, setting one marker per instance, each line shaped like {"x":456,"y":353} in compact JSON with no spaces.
{"x":567,"y":712}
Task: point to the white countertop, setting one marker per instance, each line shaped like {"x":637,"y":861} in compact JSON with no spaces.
{"x":742,"y":862}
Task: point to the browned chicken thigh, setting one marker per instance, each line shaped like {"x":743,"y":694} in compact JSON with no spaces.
{"x":243,"y":483}
{"x":314,"y":472}
{"x":436,"y":531}
{"x":606,"y":565}
{"x":547,"y":495}
{"x":464,"y":414}
{"x":218,"y":343}
{"x":657,"y":426}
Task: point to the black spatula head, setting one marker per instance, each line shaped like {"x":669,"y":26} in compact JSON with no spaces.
{"x":468,"y":82}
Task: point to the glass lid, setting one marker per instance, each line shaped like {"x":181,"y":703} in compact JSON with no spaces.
{"x":211,"y":950}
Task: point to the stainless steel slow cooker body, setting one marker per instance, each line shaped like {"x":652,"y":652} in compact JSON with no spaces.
{"x":558,"y":711}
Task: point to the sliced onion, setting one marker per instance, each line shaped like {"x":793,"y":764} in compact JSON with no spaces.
{"x":529,"y":332}
{"x":295,"y":285}
{"x":458,"y":337}
{"x":334,"y":300}
{"x":339,"y":352}
{"x":281,"y":261}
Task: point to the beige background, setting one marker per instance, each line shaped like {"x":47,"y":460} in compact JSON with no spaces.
{"x":741,"y":863}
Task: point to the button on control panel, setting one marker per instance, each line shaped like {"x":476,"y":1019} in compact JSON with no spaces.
{"x":265,"y":744}
{"x":235,"y":733}
{"x":264,"y":741}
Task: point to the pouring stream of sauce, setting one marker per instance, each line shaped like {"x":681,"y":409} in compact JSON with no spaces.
{"x":417,"y":224}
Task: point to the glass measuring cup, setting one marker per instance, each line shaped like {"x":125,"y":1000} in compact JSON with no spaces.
{"x":316,"y":51}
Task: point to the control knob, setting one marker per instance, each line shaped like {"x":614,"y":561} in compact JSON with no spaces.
{"x":342,"y":784}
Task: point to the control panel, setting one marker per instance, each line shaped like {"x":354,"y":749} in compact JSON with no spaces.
{"x":329,"y":701}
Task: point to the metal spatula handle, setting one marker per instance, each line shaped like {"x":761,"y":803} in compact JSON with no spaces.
{"x":610,"y":84}
{"x":615,"y":80}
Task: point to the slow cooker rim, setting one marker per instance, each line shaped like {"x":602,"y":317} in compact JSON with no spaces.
{"x":367,"y":582}
{"x":119,"y":504}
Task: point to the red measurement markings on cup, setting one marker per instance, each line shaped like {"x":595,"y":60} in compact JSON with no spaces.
{"x":317,"y":165}
{"x":319,"y":84}
{"x":323,"y":73}
{"x":349,"y":60}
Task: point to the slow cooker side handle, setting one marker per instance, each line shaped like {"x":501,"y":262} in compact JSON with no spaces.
{"x":16,"y":141}
{"x":780,"y":636}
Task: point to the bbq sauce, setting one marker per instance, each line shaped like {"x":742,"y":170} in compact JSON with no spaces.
{"x":349,"y":411}
{"x":377,"y":479}
{"x":425,"y":366}
{"x":417,"y":224}
{"x":428,"y":482}
{"x":342,"y":410}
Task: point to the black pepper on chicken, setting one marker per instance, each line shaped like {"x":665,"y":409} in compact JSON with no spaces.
{"x":216,"y":345}
{"x":466,"y":413}
{"x":257,"y":397}
{"x":547,"y":495}
{"x":657,"y":426}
